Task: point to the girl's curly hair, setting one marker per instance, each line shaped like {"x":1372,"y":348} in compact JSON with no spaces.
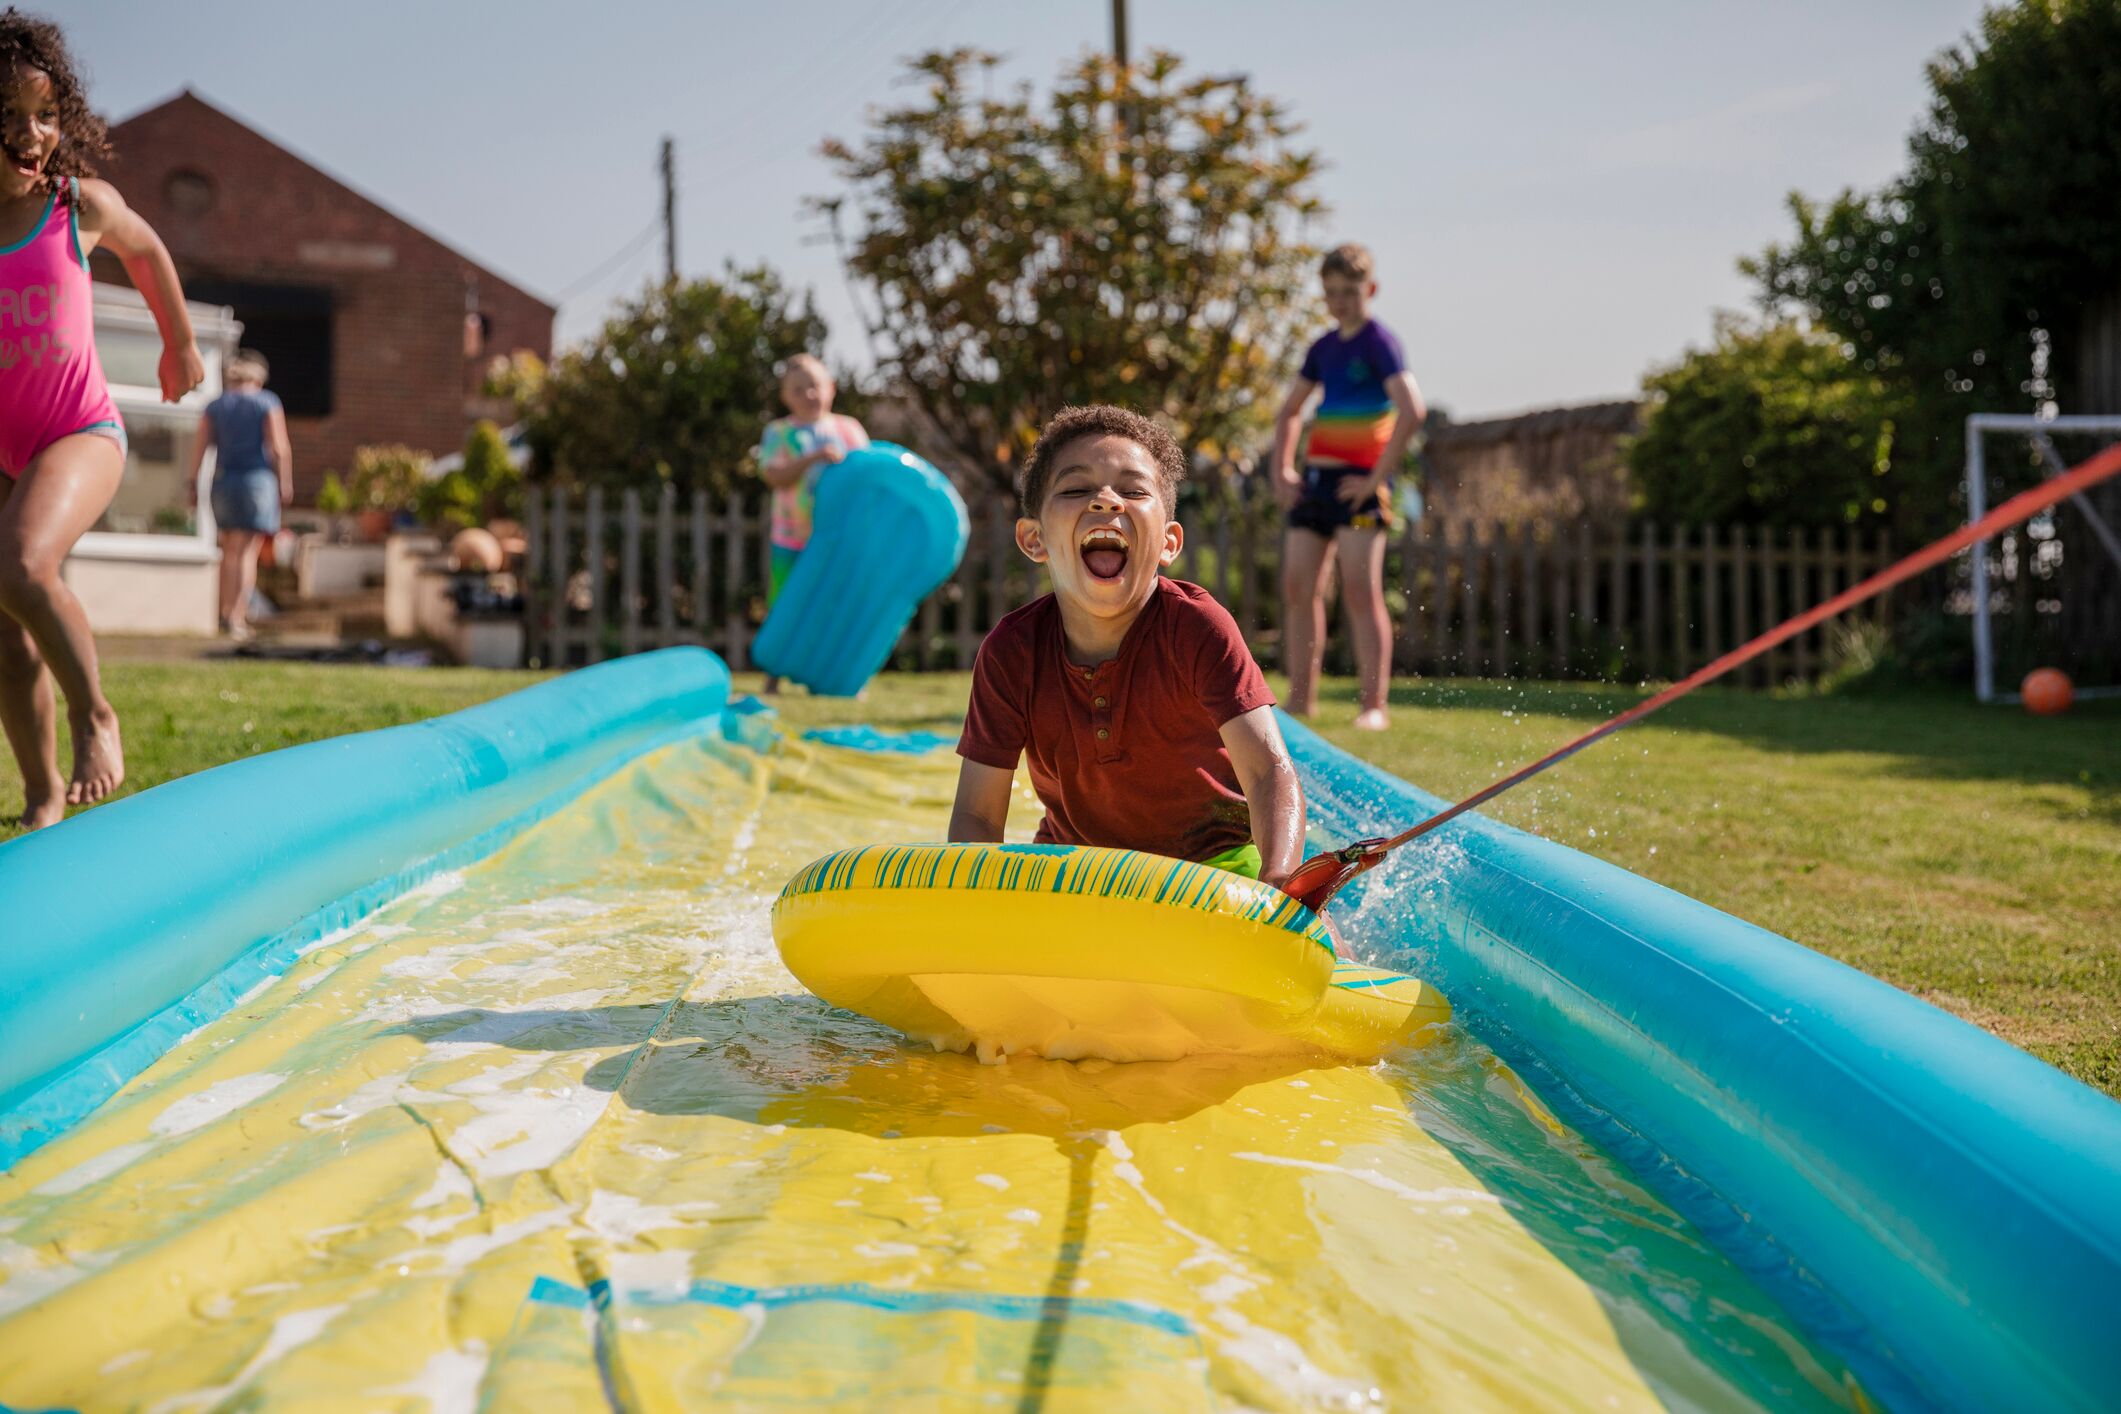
{"x":29,"y":42}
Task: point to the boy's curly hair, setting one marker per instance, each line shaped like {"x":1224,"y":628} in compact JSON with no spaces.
{"x":27,"y":41}
{"x":1099,"y":419}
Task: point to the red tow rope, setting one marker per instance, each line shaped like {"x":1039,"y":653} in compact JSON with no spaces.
{"x":1317,"y":879}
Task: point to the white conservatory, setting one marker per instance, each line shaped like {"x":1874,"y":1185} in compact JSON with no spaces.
{"x":150,"y":565}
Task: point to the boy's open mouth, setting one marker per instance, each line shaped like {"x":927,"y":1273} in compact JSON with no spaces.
{"x":1105,"y":553}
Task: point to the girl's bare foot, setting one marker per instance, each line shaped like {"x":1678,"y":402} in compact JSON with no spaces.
{"x":43,"y":810}
{"x":99,"y":757}
{"x":1372,"y":719}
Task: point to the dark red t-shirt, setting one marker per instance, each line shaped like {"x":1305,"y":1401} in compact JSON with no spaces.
{"x":1128,"y":753}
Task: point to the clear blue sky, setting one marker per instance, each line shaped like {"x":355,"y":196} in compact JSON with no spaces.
{"x":1556,"y":193}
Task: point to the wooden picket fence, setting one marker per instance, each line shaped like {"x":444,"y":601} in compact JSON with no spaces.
{"x":611,"y":574}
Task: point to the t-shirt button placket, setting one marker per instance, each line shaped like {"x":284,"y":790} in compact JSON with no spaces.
{"x":1101,"y":717}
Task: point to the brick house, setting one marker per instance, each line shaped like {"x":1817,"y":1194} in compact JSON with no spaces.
{"x":376,"y":331}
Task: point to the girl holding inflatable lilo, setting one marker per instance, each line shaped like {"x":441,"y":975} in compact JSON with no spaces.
{"x":62,"y":447}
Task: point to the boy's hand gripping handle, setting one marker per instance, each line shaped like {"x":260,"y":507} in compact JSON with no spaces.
{"x":1320,"y":877}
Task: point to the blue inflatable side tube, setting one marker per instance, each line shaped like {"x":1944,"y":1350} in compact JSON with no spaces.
{"x":1962,"y":1196}
{"x":122,"y":924}
{"x":887,"y":529}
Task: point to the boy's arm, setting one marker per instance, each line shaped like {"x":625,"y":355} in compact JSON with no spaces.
{"x":787,"y":469}
{"x":1272,"y":792}
{"x":780,"y":467}
{"x":982,"y":806}
{"x":1288,"y":427}
{"x":1412,"y":412}
{"x":108,"y":221}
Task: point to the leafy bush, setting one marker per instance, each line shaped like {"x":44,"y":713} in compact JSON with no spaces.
{"x":450,"y":503}
{"x":486,"y":487}
{"x":333,"y":499}
{"x":387,"y":478}
{"x":1772,"y":426}
{"x":675,"y":387}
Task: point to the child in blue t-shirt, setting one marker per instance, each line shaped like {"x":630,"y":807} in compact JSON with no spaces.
{"x":1343,"y":500}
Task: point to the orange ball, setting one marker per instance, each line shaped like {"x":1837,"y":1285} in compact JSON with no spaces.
{"x":2047,"y":692}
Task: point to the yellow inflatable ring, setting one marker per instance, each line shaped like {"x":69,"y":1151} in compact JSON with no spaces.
{"x":1074,"y":952}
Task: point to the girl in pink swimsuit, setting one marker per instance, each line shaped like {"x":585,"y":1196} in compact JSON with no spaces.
{"x":62,"y":449}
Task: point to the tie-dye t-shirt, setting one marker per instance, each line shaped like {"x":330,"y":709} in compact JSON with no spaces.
{"x":1355,"y":418}
{"x":786,"y":437}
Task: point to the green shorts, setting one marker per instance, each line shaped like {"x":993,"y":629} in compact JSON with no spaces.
{"x":780,"y":563}
{"x":1242,"y":860}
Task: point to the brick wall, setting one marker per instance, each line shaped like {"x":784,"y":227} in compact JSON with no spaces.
{"x":233,"y":206}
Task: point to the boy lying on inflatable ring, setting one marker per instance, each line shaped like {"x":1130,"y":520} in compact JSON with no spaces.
{"x":1145,"y":720}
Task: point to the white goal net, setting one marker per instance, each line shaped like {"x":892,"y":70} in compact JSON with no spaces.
{"x":2045,"y":594}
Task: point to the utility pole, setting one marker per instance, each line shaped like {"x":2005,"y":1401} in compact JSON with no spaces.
{"x":670,"y":208}
{"x":1125,"y":106}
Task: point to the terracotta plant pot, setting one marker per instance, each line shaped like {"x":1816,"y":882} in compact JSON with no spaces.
{"x":375,"y":525}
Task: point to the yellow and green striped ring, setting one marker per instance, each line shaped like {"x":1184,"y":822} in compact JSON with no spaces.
{"x":1059,"y":869}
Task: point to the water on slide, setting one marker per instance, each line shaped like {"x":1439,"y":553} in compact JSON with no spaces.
{"x":559,"y":1132}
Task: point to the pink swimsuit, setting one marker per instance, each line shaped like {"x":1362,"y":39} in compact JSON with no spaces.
{"x":51,"y":382}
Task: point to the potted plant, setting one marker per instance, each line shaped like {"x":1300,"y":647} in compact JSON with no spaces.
{"x":385,"y":481}
{"x":334,"y":503}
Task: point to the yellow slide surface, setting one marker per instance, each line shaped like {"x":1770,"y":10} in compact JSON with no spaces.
{"x":560,"y":1133}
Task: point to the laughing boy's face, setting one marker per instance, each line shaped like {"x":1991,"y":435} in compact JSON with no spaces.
{"x":1104,"y":531}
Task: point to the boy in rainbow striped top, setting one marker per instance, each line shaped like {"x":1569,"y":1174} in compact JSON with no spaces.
{"x":1343,"y":500}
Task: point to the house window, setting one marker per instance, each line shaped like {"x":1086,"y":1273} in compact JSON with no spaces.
{"x":189,"y":193}
{"x":131,"y":358}
{"x":292,"y":326}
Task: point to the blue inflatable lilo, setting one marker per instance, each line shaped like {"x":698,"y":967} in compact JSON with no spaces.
{"x":887,"y":528}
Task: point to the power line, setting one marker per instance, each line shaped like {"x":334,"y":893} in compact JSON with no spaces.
{"x":745,"y":164}
{"x":815,"y":71}
{"x":883,"y":28}
{"x":610,"y":262}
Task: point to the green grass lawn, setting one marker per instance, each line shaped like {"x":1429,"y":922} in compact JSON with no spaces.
{"x":1970,"y":855}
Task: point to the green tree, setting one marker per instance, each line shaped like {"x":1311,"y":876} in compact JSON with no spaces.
{"x":1136,"y":239}
{"x":1965,"y":280}
{"x":1772,"y":425}
{"x":675,"y":387}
